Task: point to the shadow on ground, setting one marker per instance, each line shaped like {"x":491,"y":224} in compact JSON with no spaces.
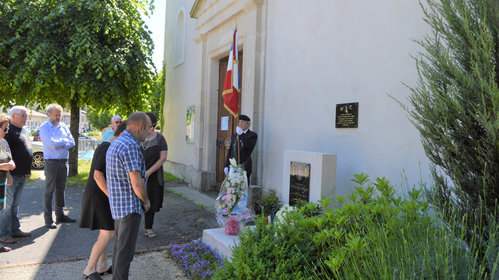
{"x":179,"y":221}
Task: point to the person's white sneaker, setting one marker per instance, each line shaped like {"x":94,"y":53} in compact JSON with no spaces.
{"x":149,"y":233}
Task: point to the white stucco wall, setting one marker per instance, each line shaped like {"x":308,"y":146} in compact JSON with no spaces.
{"x":322,"y":53}
{"x":314,"y":55}
{"x":182,"y":85}
{"x":196,"y":80}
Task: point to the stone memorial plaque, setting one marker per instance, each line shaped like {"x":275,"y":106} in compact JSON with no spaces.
{"x":347,"y":115}
{"x":299,"y":182}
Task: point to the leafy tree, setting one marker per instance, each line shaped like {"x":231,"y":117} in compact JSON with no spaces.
{"x":75,"y":53}
{"x":456,"y":103}
{"x":99,"y":119}
{"x":157,"y":98}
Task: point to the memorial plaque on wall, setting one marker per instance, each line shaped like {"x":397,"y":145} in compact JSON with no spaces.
{"x":299,"y":182}
{"x":347,"y":115}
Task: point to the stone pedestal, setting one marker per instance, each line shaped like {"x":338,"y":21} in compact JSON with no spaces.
{"x":219,"y":241}
{"x":322,"y":173}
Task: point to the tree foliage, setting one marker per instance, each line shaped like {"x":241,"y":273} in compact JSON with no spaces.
{"x":456,"y":101}
{"x":99,"y":119}
{"x":57,"y":50}
{"x":75,"y":53}
{"x":157,"y":97}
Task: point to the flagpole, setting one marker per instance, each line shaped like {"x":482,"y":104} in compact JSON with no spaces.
{"x":238,"y":143}
{"x":238,"y":151}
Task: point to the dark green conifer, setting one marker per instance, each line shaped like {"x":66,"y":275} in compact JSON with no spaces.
{"x":456,"y":102}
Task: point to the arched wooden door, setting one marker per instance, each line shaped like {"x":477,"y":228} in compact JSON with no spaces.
{"x":226,"y":124}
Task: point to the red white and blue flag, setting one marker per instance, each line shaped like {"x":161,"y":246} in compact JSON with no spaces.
{"x":232,"y":85}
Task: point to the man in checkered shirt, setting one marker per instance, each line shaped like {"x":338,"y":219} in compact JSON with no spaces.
{"x":125,"y":169}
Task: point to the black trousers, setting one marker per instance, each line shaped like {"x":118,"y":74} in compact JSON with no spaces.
{"x":126,"y":230}
{"x":56,"y":172}
{"x":149,"y":219}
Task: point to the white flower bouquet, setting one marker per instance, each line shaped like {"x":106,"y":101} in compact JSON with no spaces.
{"x":231,"y":203}
{"x":280,"y":216}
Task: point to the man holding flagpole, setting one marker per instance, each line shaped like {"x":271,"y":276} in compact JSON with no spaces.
{"x":244,"y":140}
{"x":242,"y":152}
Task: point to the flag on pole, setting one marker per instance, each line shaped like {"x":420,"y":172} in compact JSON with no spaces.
{"x":232,"y":86}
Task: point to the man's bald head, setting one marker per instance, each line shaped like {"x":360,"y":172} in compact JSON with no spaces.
{"x":136,"y":118}
{"x":138,"y":124}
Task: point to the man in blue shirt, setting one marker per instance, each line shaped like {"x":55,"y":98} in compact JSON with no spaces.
{"x":57,"y":140}
{"x":125,"y":178}
{"x":115,"y":121}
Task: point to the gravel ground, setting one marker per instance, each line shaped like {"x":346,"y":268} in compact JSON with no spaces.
{"x":145,"y":266}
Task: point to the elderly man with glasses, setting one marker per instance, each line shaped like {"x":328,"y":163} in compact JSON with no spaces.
{"x":115,"y":121}
{"x":22,"y":155}
{"x":57,"y":140}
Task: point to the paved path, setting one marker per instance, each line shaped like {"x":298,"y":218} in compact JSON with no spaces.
{"x":145,"y":266}
{"x":181,"y":220}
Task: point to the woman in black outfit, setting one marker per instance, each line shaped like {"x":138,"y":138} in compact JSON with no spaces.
{"x":95,"y":210}
{"x":155,"y":151}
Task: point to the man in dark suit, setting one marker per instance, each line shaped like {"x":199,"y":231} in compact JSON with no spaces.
{"x":247,"y":142}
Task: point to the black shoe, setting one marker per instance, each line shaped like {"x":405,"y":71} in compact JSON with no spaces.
{"x":108,"y":271}
{"x":50,"y":225}
{"x":93,"y":276}
{"x":64,"y":219}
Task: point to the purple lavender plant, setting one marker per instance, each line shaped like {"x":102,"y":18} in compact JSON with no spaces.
{"x":197,"y":259}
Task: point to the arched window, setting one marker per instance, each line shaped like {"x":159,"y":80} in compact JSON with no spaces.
{"x":180,"y":37}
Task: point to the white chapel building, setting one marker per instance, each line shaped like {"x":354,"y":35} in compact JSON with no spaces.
{"x":299,"y":61}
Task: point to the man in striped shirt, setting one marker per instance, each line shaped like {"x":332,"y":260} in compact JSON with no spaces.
{"x":125,"y":169}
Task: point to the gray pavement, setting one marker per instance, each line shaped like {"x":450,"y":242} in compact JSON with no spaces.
{"x":185,"y":213}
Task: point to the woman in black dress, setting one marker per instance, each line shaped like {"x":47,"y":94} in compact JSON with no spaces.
{"x":155,"y":151}
{"x":95,"y":210}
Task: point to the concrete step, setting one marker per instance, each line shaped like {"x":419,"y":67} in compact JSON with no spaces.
{"x":219,"y":241}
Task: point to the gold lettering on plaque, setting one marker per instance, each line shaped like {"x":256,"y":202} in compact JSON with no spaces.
{"x":346,"y":115}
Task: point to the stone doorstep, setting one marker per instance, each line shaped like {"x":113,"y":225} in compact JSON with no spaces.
{"x":221,"y":242}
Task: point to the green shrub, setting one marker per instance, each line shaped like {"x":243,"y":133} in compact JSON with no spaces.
{"x":268,"y":205}
{"x":455,"y":106}
{"x":373,"y":234}
{"x":309,"y":209}
{"x":93,"y":133}
{"x":270,"y":252}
